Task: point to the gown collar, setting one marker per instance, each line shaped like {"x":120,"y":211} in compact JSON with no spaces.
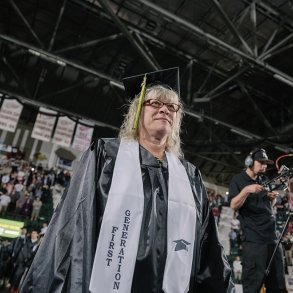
{"x":148,"y":159}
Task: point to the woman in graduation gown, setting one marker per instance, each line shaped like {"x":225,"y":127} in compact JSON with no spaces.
{"x":136,"y":216}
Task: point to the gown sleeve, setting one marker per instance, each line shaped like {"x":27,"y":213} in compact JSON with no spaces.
{"x":212,"y":269}
{"x":214,"y":274}
{"x":64,"y":259}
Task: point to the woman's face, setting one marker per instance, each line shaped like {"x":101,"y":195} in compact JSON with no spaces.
{"x":158,"y":117}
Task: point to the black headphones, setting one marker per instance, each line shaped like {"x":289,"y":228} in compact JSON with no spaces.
{"x":250,"y":158}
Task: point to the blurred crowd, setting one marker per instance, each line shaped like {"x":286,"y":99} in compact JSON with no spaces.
{"x":28,"y":193}
{"x":24,"y":188}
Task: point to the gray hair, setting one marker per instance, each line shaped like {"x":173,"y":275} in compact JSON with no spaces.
{"x":173,"y":141}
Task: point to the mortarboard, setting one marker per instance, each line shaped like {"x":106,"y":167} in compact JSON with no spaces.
{"x":166,"y":77}
{"x":137,"y":84}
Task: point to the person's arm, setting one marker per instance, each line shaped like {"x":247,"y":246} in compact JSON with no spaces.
{"x":238,"y":200}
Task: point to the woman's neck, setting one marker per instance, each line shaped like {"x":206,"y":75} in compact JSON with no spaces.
{"x":155,"y":146}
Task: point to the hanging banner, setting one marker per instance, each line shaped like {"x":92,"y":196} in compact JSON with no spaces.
{"x":64,"y":131}
{"x":83,"y":136}
{"x":9,"y":114}
{"x":44,"y":124}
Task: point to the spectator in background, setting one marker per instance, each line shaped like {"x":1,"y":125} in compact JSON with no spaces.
{"x":44,"y":229}
{"x":40,"y":168}
{"x":60,"y":177}
{"x":282,"y":207}
{"x":20,"y":202}
{"x":21,"y":248}
{"x":9,"y":186}
{"x":67,"y":177}
{"x":18,"y":194}
{"x":235,"y":223}
{"x":5,"y":253}
{"x":233,"y":239}
{"x":39,"y":192}
{"x":27,"y":206}
{"x":239,"y":241}
{"x":35,"y":243}
{"x":5,"y":178}
{"x":57,"y":192}
{"x":237,"y":269}
{"x":37,"y":204}
{"x":219,"y":202}
{"x":18,"y":187}
{"x":5,"y":169}
{"x":287,"y":244}
{"x":290,"y":227}
{"x":5,"y":200}
{"x":52,"y":177}
{"x":14,"y":200}
{"x":46,"y":180}
{"x":216,"y":212}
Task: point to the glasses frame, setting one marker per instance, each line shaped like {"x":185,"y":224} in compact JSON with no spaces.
{"x":160,"y":104}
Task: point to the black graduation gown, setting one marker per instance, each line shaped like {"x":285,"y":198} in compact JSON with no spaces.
{"x":65,"y":258}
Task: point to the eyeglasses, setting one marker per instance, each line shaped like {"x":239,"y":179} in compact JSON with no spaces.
{"x":172,"y":107}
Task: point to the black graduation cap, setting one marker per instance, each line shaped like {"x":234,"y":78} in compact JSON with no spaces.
{"x":166,"y":77}
{"x":181,"y":244}
{"x":137,"y":84}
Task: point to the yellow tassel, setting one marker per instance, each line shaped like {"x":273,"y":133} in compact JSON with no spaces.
{"x":140,"y":102}
{"x":262,"y":290}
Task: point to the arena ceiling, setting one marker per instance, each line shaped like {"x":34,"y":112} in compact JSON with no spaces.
{"x":235,"y":60}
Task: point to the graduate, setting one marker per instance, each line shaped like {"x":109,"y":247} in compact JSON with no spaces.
{"x":136,"y":215}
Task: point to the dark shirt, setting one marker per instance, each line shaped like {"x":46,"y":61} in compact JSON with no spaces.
{"x":256,"y":215}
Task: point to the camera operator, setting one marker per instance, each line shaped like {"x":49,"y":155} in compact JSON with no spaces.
{"x":258,"y":223}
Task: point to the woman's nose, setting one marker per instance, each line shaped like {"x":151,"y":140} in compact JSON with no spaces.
{"x":164,"y":109}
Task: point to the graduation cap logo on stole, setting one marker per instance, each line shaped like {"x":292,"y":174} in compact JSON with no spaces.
{"x":181,"y":244}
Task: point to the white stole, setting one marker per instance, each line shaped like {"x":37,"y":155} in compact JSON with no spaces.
{"x":118,"y":241}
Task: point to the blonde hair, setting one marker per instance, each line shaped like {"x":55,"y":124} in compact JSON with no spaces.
{"x":157,"y":91}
